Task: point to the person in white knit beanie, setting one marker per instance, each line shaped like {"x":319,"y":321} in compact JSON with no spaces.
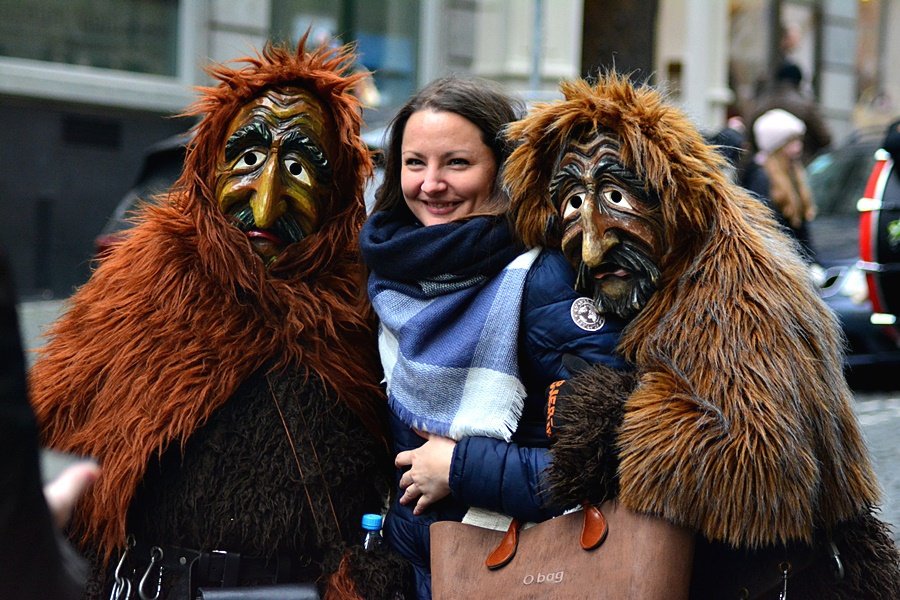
{"x":777,"y":174}
{"x":776,"y":128}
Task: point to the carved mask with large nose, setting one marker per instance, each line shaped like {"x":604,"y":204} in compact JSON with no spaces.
{"x":274,"y":175}
{"x":612,"y":228}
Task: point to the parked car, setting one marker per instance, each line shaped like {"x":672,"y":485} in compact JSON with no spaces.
{"x":838,"y":180}
{"x":160,"y":167}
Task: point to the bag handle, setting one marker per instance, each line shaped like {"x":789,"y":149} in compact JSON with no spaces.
{"x":506,"y":549}
{"x":593,"y":533}
{"x":595,"y":528}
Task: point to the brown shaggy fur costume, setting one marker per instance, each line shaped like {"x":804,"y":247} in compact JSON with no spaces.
{"x":183,"y":312}
{"x":740,"y":425}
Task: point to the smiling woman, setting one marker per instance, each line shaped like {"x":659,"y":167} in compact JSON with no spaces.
{"x":473,"y":327}
{"x":447,"y":172}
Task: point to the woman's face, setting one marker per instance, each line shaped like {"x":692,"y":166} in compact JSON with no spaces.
{"x":794,"y":148}
{"x":446,"y":171}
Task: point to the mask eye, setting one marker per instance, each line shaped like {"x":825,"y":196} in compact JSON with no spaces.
{"x":296,"y":170}
{"x":250,"y":159}
{"x":573,"y":204}
{"x":616,"y":198}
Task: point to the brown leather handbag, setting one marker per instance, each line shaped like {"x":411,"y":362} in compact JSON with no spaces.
{"x":605,"y":553}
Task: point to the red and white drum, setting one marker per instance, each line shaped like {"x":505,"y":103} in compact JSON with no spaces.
{"x":879,"y":235}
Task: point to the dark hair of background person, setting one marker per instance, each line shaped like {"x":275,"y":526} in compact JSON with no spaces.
{"x":481,"y":102}
{"x":790,"y":72}
{"x":892,"y":141}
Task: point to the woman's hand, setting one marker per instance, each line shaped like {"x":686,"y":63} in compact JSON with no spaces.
{"x":63,"y":493}
{"x":428,"y":479}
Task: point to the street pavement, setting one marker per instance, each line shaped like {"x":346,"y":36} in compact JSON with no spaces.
{"x":879,"y":417}
{"x":878,"y":413}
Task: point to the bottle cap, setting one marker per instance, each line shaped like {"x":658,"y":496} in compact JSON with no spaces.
{"x":371,"y":522}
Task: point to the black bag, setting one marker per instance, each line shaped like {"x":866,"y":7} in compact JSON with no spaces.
{"x":289,"y":591}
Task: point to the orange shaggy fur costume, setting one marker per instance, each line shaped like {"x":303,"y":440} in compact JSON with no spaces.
{"x":183,"y":311}
{"x":740,"y":426}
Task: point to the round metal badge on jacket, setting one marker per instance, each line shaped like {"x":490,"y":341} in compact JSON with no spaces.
{"x":585,"y":315}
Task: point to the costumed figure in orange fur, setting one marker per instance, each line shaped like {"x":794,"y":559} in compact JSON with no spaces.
{"x":740,"y":425}
{"x":221,"y":364}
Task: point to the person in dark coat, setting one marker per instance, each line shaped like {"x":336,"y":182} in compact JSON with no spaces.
{"x":776,"y":175}
{"x":891,"y":141}
{"x":36,"y":562}
{"x":474,"y":328}
{"x":220,"y":364}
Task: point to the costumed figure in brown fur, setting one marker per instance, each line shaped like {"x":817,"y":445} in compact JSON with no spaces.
{"x":739,"y":426}
{"x":221,"y":364}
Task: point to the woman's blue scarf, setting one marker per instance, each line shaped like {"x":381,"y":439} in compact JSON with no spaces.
{"x":449,"y":297}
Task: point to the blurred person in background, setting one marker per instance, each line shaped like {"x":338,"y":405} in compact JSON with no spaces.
{"x":36,"y":562}
{"x":891,"y":141}
{"x":777,"y":176}
{"x":731,"y":142}
{"x":785,"y":92}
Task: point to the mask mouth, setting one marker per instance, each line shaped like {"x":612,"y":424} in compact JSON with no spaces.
{"x":589,"y":279}
{"x":606,"y":270}
{"x":631,"y":271}
{"x":283,"y":232}
{"x":265,"y":235}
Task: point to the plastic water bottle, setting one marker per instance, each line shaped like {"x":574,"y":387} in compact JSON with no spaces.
{"x":371,"y":526}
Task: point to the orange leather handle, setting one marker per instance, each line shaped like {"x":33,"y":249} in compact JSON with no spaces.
{"x":506,"y":549}
{"x":593,"y":533}
{"x":595,"y":527}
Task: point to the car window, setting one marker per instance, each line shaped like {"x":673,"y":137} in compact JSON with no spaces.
{"x":155,"y":181}
{"x":838,"y":179}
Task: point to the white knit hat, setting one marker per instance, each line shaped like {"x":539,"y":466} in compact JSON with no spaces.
{"x":774,"y":128}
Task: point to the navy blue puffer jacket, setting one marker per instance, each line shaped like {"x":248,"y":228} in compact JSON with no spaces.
{"x":493,"y":474}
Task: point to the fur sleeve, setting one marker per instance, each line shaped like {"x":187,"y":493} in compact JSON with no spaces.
{"x":361,"y":574}
{"x":749,"y":478}
{"x":584,"y":455}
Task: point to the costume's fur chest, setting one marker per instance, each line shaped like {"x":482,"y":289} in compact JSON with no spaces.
{"x":241,"y":484}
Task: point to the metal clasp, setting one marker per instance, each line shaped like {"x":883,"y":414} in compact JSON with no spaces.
{"x":837,"y":566}
{"x":785,"y":573}
{"x":156,"y":555}
{"x":121,"y":589}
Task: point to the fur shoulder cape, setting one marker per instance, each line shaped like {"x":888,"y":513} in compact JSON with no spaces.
{"x":741,"y":425}
{"x":182,"y":311}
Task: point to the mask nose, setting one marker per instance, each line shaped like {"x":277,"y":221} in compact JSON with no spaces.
{"x":267,"y":203}
{"x":598,"y":238}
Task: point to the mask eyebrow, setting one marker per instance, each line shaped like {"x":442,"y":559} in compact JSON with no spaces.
{"x":629,"y":178}
{"x":570,"y":171}
{"x":298,"y":141}
{"x":252,"y":134}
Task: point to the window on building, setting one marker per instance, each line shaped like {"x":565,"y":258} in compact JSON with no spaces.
{"x":139,"y":36}
{"x":386,"y":32}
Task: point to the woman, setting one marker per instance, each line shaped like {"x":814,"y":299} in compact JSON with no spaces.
{"x":777,"y":176}
{"x":465,"y":372}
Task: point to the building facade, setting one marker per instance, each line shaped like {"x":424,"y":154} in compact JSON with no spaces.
{"x":87,"y":85}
